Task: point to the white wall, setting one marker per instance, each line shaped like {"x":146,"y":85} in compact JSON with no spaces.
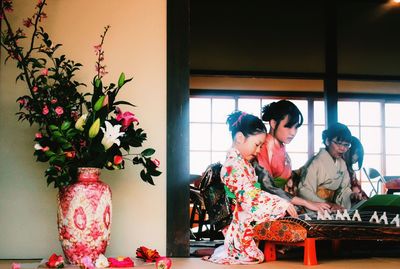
{"x":136,"y":45}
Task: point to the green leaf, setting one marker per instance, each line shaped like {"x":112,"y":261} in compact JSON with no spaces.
{"x":57,"y":134}
{"x":148,"y":152}
{"x":121,"y":80}
{"x":123,"y":103}
{"x":65,"y":125}
{"x":155,"y":173}
{"x":53,"y":127}
{"x":49,"y":153}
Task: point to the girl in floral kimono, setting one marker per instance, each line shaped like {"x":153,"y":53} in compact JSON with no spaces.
{"x":325,"y":177}
{"x":253,"y":206}
{"x":284,"y":119}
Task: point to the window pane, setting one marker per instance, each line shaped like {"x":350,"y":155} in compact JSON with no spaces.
{"x":371,"y":137}
{"x":300,"y":142}
{"x":298,"y":159}
{"x":318,"y":138}
{"x":370,"y":113}
{"x":251,"y":106}
{"x":221,"y":108}
{"x":393,"y":141}
{"x":392,"y":112}
{"x":199,"y":162}
{"x":348,"y":113}
{"x":218,"y":156}
{"x":200,"y":109}
{"x":200,"y":136}
{"x":302,"y":105}
{"x":319,"y":112}
{"x":372,"y":161}
{"x":221,"y":137}
{"x":392,"y":165}
{"x":355,"y":131}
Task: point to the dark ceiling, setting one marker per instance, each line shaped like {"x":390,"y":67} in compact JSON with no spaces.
{"x":289,"y":36}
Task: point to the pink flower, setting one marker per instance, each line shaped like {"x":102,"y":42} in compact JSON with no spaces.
{"x":38,"y":135}
{"x":27,"y":22}
{"x":15,"y":265}
{"x":97,"y":49}
{"x":44,"y":72}
{"x":54,"y":100}
{"x":45,"y":110}
{"x":7,"y":5}
{"x":35,"y":88}
{"x":87,"y":263}
{"x":46,"y":149}
{"x":21,"y":101}
{"x":126,"y":118}
{"x":163,"y":263}
{"x":59,"y":110}
{"x":156,"y":162}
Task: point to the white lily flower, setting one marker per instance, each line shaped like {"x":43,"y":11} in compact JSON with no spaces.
{"x":111,"y":134}
{"x":102,"y":262}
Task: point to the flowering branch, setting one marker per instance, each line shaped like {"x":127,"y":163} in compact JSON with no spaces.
{"x":73,"y":131}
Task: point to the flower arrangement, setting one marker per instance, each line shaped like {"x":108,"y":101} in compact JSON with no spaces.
{"x":74,"y":129}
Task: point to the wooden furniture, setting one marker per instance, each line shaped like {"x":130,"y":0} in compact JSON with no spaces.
{"x":304,"y":233}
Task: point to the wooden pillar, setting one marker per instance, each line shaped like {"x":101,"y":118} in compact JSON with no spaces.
{"x":178,"y":232}
{"x":331,"y":55}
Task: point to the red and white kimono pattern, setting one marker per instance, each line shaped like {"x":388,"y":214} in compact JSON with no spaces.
{"x":253,"y":206}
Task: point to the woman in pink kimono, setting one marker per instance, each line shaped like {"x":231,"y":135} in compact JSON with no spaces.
{"x":253,"y":206}
{"x":284,"y":119}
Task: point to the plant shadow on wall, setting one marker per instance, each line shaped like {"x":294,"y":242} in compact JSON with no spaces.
{"x":74,"y":129}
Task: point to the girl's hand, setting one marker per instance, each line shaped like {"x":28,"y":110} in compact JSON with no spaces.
{"x":336,"y":207}
{"x":318,"y":206}
{"x":291,"y":210}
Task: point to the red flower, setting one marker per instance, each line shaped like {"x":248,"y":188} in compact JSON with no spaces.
{"x":127,"y":118}
{"x":121,"y":262}
{"x":35,"y":89}
{"x":118,"y":159}
{"x":53,"y":101}
{"x":38,"y":135}
{"x":149,"y":255}
{"x":163,"y":263}
{"x":44,"y":72}
{"x":45,"y":110}
{"x":27,"y":23}
{"x":55,"y":261}
{"x":70,"y":154}
{"x":59,"y":110}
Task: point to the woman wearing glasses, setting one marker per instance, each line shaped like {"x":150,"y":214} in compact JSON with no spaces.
{"x":325,"y":177}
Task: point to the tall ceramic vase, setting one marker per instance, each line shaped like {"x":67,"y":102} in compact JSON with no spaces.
{"x":84,"y":216}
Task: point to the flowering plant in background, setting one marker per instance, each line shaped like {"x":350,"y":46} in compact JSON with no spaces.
{"x":74,"y":129}
{"x":148,"y":255}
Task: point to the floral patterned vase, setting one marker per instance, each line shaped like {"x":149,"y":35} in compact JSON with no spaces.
{"x":84,"y":216}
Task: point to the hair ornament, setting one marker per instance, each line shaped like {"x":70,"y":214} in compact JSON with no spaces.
{"x":236,"y":123}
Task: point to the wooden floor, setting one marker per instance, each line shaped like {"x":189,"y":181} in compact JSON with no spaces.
{"x":353,"y":255}
{"x":197,"y":263}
